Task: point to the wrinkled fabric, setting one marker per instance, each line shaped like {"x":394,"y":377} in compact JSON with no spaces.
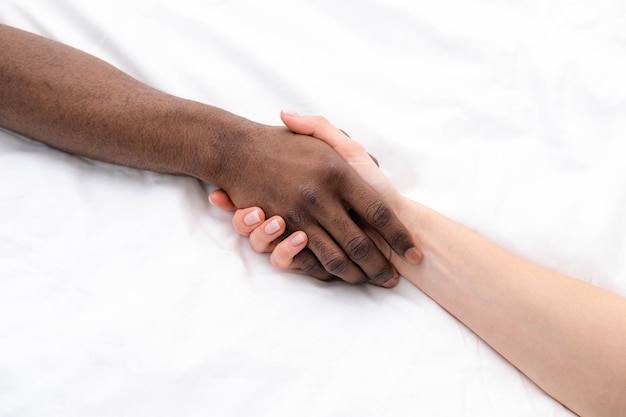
{"x":124,"y":292}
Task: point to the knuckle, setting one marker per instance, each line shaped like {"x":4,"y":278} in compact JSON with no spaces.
{"x":278,"y":261}
{"x":359,"y":248}
{"x":337,"y":173}
{"x":320,"y":120}
{"x":310,"y":195}
{"x":401,"y":240}
{"x":336,"y":264}
{"x":257,"y":246}
{"x":259,"y":242}
{"x":382,"y":276}
{"x":296,"y":219}
{"x":378,"y":214}
{"x":307,"y":262}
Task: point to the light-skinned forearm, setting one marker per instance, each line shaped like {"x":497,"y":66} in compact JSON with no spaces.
{"x":566,"y":335}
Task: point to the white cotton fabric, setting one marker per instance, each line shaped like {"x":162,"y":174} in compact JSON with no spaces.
{"x":125,"y":293}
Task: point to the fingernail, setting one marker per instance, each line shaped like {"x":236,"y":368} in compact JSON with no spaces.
{"x":252,"y":218}
{"x":297,"y":240}
{"x":290,"y":113}
{"x":414,"y":256}
{"x":272,"y":227}
{"x":391,"y":283}
{"x":211,"y":201}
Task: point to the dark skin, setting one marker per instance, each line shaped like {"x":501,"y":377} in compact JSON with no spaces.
{"x":77,"y":103}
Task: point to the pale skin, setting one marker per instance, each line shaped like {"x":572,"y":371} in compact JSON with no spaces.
{"x":566,"y":335}
{"x":80,"y":104}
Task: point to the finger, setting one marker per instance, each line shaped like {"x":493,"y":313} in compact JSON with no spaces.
{"x":310,"y":265}
{"x":246,"y":220}
{"x":283,"y":254}
{"x":358,"y":247}
{"x":371,"y":156}
{"x":342,"y":248}
{"x":380,"y":243}
{"x":332,"y":256}
{"x":221,"y":200}
{"x":262,"y":238}
{"x":320,"y":128}
{"x":375,"y":212}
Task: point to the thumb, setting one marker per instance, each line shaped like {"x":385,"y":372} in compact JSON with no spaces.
{"x":316,"y":126}
{"x":320,"y":128}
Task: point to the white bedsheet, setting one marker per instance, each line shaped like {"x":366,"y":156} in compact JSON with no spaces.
{"x":124,"y":293}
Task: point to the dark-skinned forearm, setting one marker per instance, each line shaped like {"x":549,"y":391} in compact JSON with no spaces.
{"x":77,"y":103}
{"x":80,"y":104}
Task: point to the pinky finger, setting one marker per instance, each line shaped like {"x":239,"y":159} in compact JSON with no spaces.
{"x":284,"y":252}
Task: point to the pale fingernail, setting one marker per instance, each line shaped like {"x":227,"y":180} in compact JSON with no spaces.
{"x":414,"y":256}
{"x":272,"y":227}
{"x":290,"y":113}
{"x":252,"y":218}
{"x":297,"y":240}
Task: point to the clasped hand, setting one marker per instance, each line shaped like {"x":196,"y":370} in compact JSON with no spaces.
{"x":310,"y":186}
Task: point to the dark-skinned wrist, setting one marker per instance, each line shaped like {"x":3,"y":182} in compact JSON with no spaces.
{"x":219,"y":141}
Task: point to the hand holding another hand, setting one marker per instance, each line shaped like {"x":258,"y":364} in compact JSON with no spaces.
{"x":291,"y":251}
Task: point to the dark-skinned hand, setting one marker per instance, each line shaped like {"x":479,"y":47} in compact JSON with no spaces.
{"x":308,"y":184}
